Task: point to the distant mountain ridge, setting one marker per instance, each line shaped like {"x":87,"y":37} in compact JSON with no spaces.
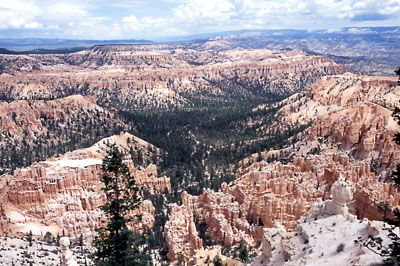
{"x":33,"y":44}
{"x":365,"y":50}
{"x":368,"y":50}
{"x":43,"y":51}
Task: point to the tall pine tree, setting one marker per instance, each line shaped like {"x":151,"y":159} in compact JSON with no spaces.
{"x":116,"y":244}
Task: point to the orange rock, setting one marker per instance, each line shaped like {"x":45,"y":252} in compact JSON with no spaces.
{"x":67,"y":190}
{"x":352,"y":133}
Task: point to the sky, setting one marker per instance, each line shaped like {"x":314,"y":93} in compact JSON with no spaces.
{"x":155,"y":20}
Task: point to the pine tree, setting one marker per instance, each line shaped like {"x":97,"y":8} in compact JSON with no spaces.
{"x":116,"y":244}
{"x":243,"y":252}
{"x":217,"y":261}
{"x":29,"y":238}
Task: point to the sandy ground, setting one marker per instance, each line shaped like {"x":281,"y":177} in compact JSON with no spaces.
{"x":18,"y":251}
{"x":20,"y":223}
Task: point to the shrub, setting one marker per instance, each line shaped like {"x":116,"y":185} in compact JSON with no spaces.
{"x":340,"y":248}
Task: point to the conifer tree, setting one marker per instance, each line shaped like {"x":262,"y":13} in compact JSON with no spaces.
{"x":116,"y":244}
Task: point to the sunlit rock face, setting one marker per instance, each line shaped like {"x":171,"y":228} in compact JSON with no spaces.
{"x":59,"y":101}
{"x":350,"y":138}
{"x":270,"y":193}
{"x":31,"y":130}
{"x":64,"y":193}
{"x":352,"y":113}
{"x":66,"y":254}
{"x":181,"y":235}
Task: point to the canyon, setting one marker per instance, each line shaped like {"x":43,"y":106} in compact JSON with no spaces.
{"x":71,"y":101}
{"x":352,"y":132}
{"x":159,"y":75}
{"x":58,"y":112}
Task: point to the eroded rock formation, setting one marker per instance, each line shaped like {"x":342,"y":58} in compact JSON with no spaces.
{"x":66,"y":191}
{"x":181,"y":235}
{"x":268,"y":193}
{"x":325,"y":238}
{"x":353,"y":113}
{"x":66,"y":253}
{"x":160,"y":75}
{"x":33,"y":130}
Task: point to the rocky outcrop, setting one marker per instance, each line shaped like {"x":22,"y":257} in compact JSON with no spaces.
{"x":148,"y":178}
{"x":270,"y":193}
{"x":325,"y":238}
{"x":181,"y":235}
{"x":3,"y":219}
{"x":66,"y":191}
{"x":66,"y":253}
{"x":352,"y":113}
{"x":341,"y":194}
{"x":32,"y":115}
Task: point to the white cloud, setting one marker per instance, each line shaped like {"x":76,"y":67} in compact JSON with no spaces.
{"x":34,"y":14}
{"x":196,"y":16}
{"x":20,"y":6}
{"x":52,"y":27}
{"x":33,"y":25}
{"x":15,"y":14}
{"x":205,"y":11}
{"x":86,"y":18}
{"x":146,"y":23}
{"x":93,"y":21}
{"x":131,"y":20}
{"x":150,"y":26}
{"x":66,"y":10}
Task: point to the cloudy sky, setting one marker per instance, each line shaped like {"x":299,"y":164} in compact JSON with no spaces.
{"x":151,"y":19}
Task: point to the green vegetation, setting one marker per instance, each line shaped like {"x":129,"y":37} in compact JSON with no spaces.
{"x":202,"y":145}
{"x":340,"y":248}
{"x":80,"y":128}
{"x":116,"y":244}
{"x":217,"y":261}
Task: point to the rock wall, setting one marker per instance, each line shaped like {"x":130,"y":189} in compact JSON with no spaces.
{"x":270,"y":193}
{"x":181,"y":235}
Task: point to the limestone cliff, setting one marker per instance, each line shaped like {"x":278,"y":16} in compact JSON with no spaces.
{"x":352,"y":113}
